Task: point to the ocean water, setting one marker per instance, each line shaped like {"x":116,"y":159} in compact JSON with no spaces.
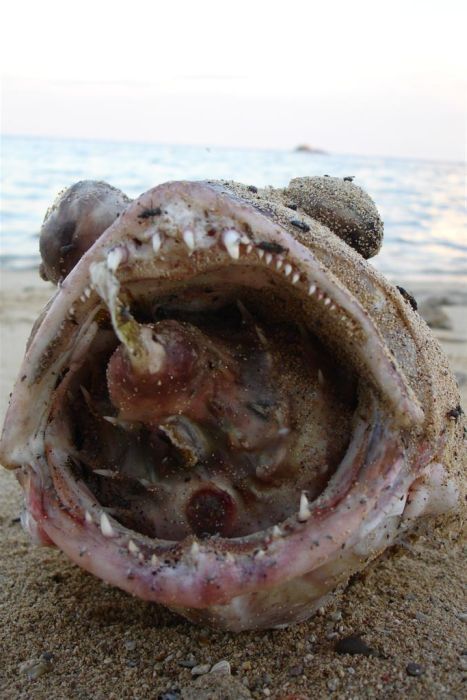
{"x":421,"y":202}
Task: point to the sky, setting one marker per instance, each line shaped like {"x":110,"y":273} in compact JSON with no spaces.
{"x":351,"y":76}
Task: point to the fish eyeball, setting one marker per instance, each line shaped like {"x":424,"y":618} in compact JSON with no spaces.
{"x":76,"y":219}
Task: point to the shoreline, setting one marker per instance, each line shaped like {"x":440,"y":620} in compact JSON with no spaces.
{"x":89,"y":640}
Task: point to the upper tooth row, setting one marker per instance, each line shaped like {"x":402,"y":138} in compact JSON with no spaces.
{"x":231,"y":240}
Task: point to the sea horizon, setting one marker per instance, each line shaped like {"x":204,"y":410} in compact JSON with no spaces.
{"x":421,"y":201}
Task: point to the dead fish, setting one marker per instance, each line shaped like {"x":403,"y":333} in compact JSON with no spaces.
{"x":232,"y":414}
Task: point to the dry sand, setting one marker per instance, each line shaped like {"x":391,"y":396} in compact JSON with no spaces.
{"x":65,"y":634}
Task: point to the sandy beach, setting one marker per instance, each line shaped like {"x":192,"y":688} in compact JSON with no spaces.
{"x":65,"y":634}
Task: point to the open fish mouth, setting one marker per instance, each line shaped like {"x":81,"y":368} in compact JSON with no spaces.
{"x":218,"y":422}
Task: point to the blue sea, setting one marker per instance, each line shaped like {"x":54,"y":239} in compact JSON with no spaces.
{"x":421,"y":202}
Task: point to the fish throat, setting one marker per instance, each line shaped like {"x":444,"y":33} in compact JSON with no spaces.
{"x":206,"y":407}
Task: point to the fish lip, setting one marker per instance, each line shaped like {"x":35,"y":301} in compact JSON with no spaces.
{"x":186,"y":579}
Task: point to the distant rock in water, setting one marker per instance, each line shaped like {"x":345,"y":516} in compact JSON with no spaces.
{"x":305,"y":148}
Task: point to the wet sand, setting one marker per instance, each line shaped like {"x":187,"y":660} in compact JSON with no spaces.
{"x":65,"y":634}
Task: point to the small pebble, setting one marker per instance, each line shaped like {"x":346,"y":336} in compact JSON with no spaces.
{"x":129,"y":644}
{"x":189,"y":662}
{"x":221,"y":667}
{"x":296,"y":671}
{"x":413,"y":669}
{"x":34,"y":668}
{"x":200,"y":670}
{"x":421,"y":617}
{"x":252,"y":188}
{"x":353,"y":645}
{"x":335,"y":616}
{"x":462,"y":616}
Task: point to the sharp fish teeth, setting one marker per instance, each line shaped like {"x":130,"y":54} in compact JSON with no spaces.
{"x":260,"y":253}
{"x":249,"y":248}
{"x":276,"y":532}
{"x":304,"y":511}
{"x":154,"y":560}
{"x":279,"y":263}
{"x":327,"y":301}
{"x":189,"y":239}
{"x":295,"y":278}
{"x":106,"y":527}
{"x":231,"y":240}
{"x":312,"y":289}
{"x":287,"y":269}
{"x":88,"y":517}
{"x":114,"y":258}
{"x":268,"y":258}
{"x":156,"y":242}
{"x":132,"y":547}
{"x":194,"y":549}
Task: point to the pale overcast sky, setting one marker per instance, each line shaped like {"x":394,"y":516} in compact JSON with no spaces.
{"x":349,"y":76}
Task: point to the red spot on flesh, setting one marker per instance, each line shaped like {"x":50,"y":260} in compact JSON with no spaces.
{"x":210,"y":511}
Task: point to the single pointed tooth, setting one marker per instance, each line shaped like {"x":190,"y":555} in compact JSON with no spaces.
{"x":154,"y":560}
{"x":194,"y":549}
{"x":249,"y":248}
{"x":276,"y":532}
{"x":106,"y":527}
{"x":312,"y":289}
{"x":141,"y":557}
{"x":133,"y":547}
{"x":229,"y":557}
{"x":87,"y":292}
{"x":105,"y":472}
{"x":327,"y":301}
{"x":245,"y":240}
{"x":260,"y":253}
{"x":268,"y":258}
{"x":279,"y":263}
{"x":114,"y":258}
{"x":156,"y":242}
{"x":232,"y":243}
{"x":287,"y":269}
{"x":295,"y":278}
{"x":333,"y":307}
{"x":260,"y":554}
{"x":72,"y":310}
{"x":189,"y":239}
{"x":304,"y":511}
{"x":88,"y":517}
